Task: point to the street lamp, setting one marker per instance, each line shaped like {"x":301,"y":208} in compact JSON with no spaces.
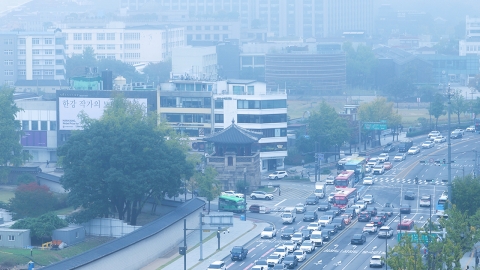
{"x":449,"y":147}
{"x":245,"y":190}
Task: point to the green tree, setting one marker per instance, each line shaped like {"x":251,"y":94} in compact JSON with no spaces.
{"x":464,"y":196}
{"x":437,"y":108}
{"x":208,"y":185}
{"x":360,"y":64}
{"x":120,"y":161}
{"x":75,"y":65}
{"x":120,"y":68}
{"x":406,"y":254}
{"x":32,"y":200}
{"x":459,"y":104}
{"x":476,"y":106}
{"x":41,"y":228}
{"x":379,"y":110}
{"x":327,"y":128}
{"x":158,"y":72}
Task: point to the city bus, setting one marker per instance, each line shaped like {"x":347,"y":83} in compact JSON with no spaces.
{"x":232,"y":204}
{"x":441,"y":204}
{"x":345,"y":197}
{"x":356,"y":164}
{"x":344,"y":179}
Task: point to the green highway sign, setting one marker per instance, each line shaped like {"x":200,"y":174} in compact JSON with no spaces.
{"x":374,"y":126}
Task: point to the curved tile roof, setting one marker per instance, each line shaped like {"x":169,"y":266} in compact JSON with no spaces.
{"x":234,"y":134}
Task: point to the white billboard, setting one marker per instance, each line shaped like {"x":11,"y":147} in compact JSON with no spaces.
{"x":70,"y":107}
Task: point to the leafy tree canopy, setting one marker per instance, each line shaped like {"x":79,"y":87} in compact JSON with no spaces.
{"x":360,"y":64}
{"x":379,"y":110}
{"x":208,"y":185}
{"x":32,"y":200}
{"x":120,"y":161}
{"x":42,"y":227}
{"x":437,"y":108}
{"x":159,"y":72}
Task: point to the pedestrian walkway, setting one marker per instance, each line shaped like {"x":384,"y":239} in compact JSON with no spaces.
{"x":468,"y":259}
{"x":238,"y":235}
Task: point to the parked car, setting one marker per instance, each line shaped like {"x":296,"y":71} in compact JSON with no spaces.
{"x":409,"y":195}
{"x":368,"y":180}
{"x":400,"y":157}
{"x":238,"y":253}
{"x":269,"y":232}
{"x":310,"y":216}
{"x":413,"y":150}
{"x":300,"y":254}
{"x":233,"y":194}
{"x":311,"y":200}
{"x":405,"y":209}
{"x":261,"y":195}
{"x":387,"y":165}
{"x":358,"y":239}
{"x":470,"y":129}
{"x":217,"y":265}
{"x":369,"y":228}
{"x":376,"y":261}
{"x":323,"y":206}
{"x":278,"y":175}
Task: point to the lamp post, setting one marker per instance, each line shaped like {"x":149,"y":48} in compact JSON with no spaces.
{"x":386,"y":252}
{"x":316,"y":161}
{"x":245,"y":190}
{"x":449,"y":147}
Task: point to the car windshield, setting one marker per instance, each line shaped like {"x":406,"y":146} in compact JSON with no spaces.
{"x":341,"y":200}
{"x":273,"y":256}
{"x":357,"y":236}
{"x":298,"y":252}
{"x":215,"y":266}
{"x":268,"y":229}
{"x":280,"y":249}
{"x":289,"y":259}
{"x":289,"y":243}
{"x":307,"y":243}
{"x":288,"y":230}
{"x":261,"y":262}
{"x":367,"y":196}
{"x":297,"y":235}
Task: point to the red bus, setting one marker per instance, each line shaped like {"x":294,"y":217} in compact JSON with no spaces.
{"x":345,"y":197}
{"x":344,"y":179}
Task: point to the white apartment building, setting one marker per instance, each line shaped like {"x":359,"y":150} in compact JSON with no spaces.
{"x":32,"y":56}
{"x":471,"y":44}
{"x":132,"y":45}
{"x":199,"y":63}
{"x":254,"y":108}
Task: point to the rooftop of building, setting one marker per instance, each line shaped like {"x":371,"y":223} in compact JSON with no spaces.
{"x":41,"y":83}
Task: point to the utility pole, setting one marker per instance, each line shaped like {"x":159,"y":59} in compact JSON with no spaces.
{"x":449,"y":148}
{"x":316,"y":162}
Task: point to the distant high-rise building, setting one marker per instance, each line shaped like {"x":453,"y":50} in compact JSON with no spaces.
{"x":471,"y":44}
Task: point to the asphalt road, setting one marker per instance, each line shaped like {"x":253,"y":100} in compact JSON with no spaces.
{"x":390,"y":187}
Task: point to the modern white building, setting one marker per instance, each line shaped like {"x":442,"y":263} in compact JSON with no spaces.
{"x":132,"y":45}
{"x":32,"y":56}
{"x":471,"y":44}
{"x":195,"y":62}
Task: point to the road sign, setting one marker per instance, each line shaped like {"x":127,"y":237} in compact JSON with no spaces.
{"x":374,"y":126}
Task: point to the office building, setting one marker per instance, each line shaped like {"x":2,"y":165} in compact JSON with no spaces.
{"x":471,"y":44}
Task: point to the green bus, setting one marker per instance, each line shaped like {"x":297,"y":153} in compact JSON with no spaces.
{"x":232,"y":204}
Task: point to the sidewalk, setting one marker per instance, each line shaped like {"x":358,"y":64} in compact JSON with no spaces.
{"x":468,"y":258}
{"x":239,"y":234}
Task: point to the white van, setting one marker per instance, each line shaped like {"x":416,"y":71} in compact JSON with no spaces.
{"x":289,"y":215}
{"x":320,"y":190}
{"x":317,"y":238}
{"x":330,"y":180}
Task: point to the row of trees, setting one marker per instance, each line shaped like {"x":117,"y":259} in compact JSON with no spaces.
{"x":462,"y":228}
{"x":459,"y":105}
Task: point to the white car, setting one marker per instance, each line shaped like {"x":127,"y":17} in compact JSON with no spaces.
{"x":268,"y":232}
{"x":370,"y":228}
{"x":383,"y":157}
{"x":298,"y":238}
{"x":470,"y":129}
{"x":378,"y":169}
{"x":331,"y":196}
{"x":324,"y":220}
{"x":433,"y":134}
{"x":459,"y":130}
{"x":217,"y":265}
{"x":413,"y":150}
{"x":282,"y":251}
{"x":330,"y":180}
{"x":300,"y":254}
{"x":274,"y":259}
{"x":278,"y":175}
{"x":376,"y":261}
{"x":368,"y":180}
{"x":308,"y":246}
{"x":372,"y":162}
{"x":440,"y":139}
{"x":314,"y":226}
{"x":290,"y":245}
{"x":233,"y":194}
{"x":368,"y":198}
{"x":400,"y":157}
{"x":361,"y":204}
{"x":428,"y":144}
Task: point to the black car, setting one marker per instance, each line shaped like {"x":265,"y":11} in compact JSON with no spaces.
{"x":409,"y":195}
{"x":384,"y":215}
{"x":324,"y":206}
{"x":405,"y":209}
{"x":372,"y":210}
{"x":312,"y":199}
{"x":333,"y":212}
{"x":358,"y":239}
{"x":290,"y":261}
{"x":331,"y":228}
{"x":389,"y":147}
{"x":351,"y":211}
{"x":364,"y":216}
{"x":339,"y":223}
{"x":288,"y":233}
{"x":306,"y":233}
{"x":310,"y":216}
{"x":378,"y":221}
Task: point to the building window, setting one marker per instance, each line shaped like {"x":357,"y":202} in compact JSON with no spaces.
{"x":22,"y":72}
{"x":250,"y":90}
{"x":218,"y":118}
{"x":77,"y":36}
{"x":43,"y":125}
{"x":216,"y":36}
{"x":35,"y":51}
{"x":48,"y":72}
{"x":110,"y":46}
{"x":25,"y":125}
{"x":8,"y":41}
{"x":49,"y":52}
{"x":216,"y":27}
{"x":60,"y":41}
{"x":66,"y":47}
{"x":100,"y":36}
{"x":53,"y":125}
{"x":77,"y":46}
{"x":11,"y":238}
{"x":198,"y":37}
{"x":21,"y":41}
{"x":219,"y":104}
{"x":58,"y":62}
{"x":37,"y":72}
{"x":9,"y":83}
{"x":35,"y":41}
{"x":36,"y":62}
{"x":8,"y":62}
{"x":87,"y":46}
{"x":131,"y":36}
{"x":87,"y":36}
{"x":110,"y":36}
{"x":189,"y":27}
{"x":8,"y":72}
{"x":34,"y":125}
{"x":198,"y":28}
{"x":48,"y":62}
{"x":132,"y":46}
{"x":100,"y":46}
{"x":8,"y":52}
{"x":207,"y":36}
{"x":49,"y":41}
{"x":59,"y":72}
{"x":207,"y":27}
{"x":22,"y":62}
{"x":22,"y":52}
{"x":111,"y":56}
{"x":225,"y":27}
{"x":238,"y":90}
{"x":58,"y":51}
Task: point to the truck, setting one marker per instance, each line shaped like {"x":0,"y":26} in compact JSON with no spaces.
{"x":404,"y":146}
{"x":320,"y":190}
{"x":289,"y":215}
{"x":238,"y":253}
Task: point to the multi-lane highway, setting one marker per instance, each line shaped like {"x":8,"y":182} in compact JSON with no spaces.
{"x":390,"y":187}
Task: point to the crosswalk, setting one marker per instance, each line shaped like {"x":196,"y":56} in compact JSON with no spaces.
{"x":437,"y":181}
